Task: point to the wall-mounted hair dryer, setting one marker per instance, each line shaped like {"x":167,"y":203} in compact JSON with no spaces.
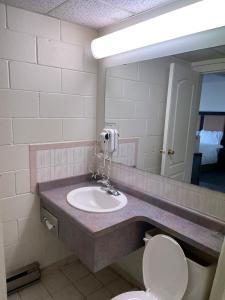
{"x":109,"y":140}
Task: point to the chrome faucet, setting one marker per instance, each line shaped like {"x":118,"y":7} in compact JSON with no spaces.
{"x":108,"y":187}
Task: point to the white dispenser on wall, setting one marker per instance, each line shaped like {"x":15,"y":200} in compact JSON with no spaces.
{"x":109,"y":140}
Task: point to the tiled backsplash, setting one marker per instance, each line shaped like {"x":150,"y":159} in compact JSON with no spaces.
{"x":60,"y":160}
{"x":193,"y":197}
{"x":127,"y":152}
{"x":67,"y":159}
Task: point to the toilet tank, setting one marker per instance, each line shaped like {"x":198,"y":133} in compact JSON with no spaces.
{"x":200,"y":280}
{"x":201,"y":273}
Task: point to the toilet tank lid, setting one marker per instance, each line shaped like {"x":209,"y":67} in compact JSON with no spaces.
{"x":165,"y":269}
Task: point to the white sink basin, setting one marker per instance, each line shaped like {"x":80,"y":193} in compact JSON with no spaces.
{"x":94,"y":199}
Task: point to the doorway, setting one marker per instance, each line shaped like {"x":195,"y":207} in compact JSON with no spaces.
{"x":208,"y":168}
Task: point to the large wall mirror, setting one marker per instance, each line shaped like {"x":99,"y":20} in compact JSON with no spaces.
{"x":171,"y":118}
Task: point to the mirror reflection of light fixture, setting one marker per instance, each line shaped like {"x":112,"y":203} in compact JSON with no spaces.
{"x":198,"y":17}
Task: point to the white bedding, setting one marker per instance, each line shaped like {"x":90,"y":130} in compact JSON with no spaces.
{"x":209,"y":153}
{"x":209,"y":146}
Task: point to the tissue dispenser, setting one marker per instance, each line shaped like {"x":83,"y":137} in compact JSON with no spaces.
{"x":50,"y":221}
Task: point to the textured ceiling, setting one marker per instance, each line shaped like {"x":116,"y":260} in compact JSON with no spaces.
{"x":40,"y":6}
{"x":91,"y":13}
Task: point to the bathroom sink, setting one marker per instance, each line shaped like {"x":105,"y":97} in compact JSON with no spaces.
{"x":95,"y":199}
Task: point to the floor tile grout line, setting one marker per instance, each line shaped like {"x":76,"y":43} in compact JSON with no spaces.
{"x":103,"y":286}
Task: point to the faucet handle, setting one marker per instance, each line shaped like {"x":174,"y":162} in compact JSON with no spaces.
{"x":105,"y":182}
{"x":93,"y":173}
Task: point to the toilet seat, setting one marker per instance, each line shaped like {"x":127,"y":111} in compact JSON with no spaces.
{"x":135,"y":295}
{"x":165,"y":271}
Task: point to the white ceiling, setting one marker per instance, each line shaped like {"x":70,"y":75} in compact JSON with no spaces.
{"x":203,"y":54}
{"x":91,"y":13}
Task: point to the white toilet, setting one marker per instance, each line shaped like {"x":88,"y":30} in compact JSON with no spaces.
{"x":165,"y":271}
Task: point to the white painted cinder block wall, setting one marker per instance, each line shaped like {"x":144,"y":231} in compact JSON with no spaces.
{"x":2,"y":267}
{"x":136,"y":102}
{"x":47,"y":94}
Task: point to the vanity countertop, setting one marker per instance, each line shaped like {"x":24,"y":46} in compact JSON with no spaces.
{"x":53,"y":195}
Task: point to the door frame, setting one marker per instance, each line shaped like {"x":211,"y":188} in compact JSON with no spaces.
{"x":207,"y":67}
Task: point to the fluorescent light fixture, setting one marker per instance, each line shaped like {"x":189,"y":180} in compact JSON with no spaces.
{"x":194,"y":18}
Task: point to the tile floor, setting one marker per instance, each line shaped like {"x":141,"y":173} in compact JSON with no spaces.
{"x":74,"y":281}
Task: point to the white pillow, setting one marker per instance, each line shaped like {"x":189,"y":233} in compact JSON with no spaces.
{"x":211,"y":137}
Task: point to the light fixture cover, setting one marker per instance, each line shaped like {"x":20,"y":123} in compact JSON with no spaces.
{"x":198,"y":17}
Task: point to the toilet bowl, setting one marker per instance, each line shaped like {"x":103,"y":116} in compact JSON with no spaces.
{"x":165,"y":271}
